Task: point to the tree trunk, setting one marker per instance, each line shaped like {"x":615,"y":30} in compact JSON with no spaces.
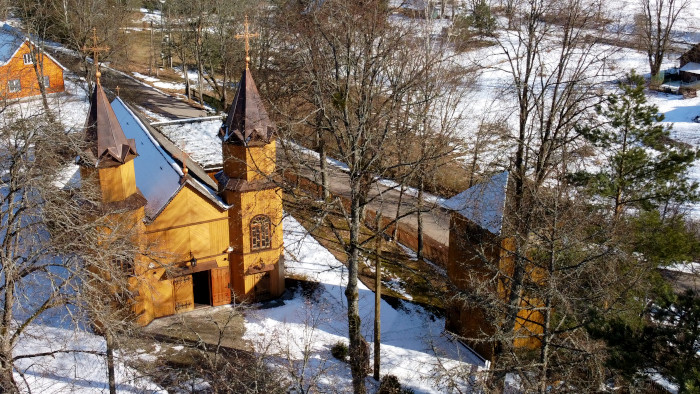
{"x":356,"y":350}
{"x":7,"y":379}
{"x":110,"y":362}
{"x":395,"y":232}
{"x":377,"y":300}
{"x":419,"y":218}
{"x":323,"y":165}
{"x":39,"y":72}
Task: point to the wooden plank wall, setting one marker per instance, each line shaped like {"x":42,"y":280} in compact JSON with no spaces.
{"x":16,"y":69}
{"x":407,"y":235}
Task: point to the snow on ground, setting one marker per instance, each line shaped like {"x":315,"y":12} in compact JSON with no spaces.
{"x":684,"y":267}
{"x":679,"y":113}
{"x":411,"y":336}
{"x":75,"y":369}
{"x":70,"y":107}
{"x":158,"y":83}
{"x":151,"y":16}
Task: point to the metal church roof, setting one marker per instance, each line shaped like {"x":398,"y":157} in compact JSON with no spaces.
{"x":158,"y":172}
{"x":109,"y":145}
{"x":247,"y":122}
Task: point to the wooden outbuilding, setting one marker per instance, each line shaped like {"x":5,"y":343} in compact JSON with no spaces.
{"x":207,"y":242}
{"x":18,"y":76}
{"x":690,"y":65}
{"x":481,"y":260}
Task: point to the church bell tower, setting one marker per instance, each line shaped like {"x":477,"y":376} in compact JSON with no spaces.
{"x":255,"y":218}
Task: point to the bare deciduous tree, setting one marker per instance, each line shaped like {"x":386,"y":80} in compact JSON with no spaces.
{"x":656,"y":21}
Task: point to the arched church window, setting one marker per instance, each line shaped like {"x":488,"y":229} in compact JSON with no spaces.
{"x":260,"y":232}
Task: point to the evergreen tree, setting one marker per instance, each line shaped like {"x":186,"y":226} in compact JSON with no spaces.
{"x":667,"y":342}
{"x":645,"y":168}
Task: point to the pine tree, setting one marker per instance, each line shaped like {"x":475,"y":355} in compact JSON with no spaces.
{"x":645,"y":168}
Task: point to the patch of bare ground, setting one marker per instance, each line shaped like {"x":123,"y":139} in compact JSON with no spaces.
{"x":420,"y":281}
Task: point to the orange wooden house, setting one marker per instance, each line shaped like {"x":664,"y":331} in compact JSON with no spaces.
{"x":480,"y":260}
{"x":211,"y":241}
{"x":18,"y":78}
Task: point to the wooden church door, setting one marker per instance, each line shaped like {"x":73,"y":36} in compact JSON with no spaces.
{"x":220,"y":289}
{"x":182,"y":293}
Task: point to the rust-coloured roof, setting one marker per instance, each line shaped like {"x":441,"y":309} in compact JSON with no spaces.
{"x":108,"y":143}
{"x":247,"y":122}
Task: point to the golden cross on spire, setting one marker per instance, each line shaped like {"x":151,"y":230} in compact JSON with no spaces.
{"x":247,"y":36}
{"x":95,"y":51}
{"x":117,"y":90}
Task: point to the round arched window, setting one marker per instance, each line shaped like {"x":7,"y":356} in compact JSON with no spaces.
{"x":260,"y":232}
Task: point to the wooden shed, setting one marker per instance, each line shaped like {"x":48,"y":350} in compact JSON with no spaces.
{"x":18,"y":77}
{"x":480,"y":260}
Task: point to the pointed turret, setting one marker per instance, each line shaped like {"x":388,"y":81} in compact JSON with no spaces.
{"x":247,"y":122}
{"x":108,"y":144}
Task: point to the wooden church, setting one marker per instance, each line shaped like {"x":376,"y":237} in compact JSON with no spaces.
{"x":219,"y":238}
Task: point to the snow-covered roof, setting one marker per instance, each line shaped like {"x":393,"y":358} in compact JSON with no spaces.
{"x":199,"y":137}
{"x":10,"y":42}
{"x":158,"y":174}
{"x":693,"y":68}
{"x":484,"y":203}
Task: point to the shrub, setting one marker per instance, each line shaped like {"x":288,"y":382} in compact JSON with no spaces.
{"x":340,"y":351}
{"x":390,"y":385}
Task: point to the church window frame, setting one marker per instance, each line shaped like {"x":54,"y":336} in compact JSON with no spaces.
{"x":260,"y":233}
{"x":27,"y":58}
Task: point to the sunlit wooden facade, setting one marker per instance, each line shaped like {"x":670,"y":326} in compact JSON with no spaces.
{"x":18,"y":77}
{"x":205,"y":241}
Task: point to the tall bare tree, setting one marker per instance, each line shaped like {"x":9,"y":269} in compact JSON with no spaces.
{"x":361,"y":85}
{"x":656,"y":21}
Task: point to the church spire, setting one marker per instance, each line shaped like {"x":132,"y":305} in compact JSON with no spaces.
{"x":108,"y":144}
{"x":247,"y":121}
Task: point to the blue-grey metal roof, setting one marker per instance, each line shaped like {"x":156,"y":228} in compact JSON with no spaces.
{"x":483,"y":203}
{"x":10,"y":42}
{"x":158,"y":175}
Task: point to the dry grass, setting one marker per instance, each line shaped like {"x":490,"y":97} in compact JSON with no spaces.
{"x":421,"y":281}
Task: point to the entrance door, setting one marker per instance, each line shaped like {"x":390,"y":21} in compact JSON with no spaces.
{"x":220,"y":289}
{"x":201,"y":287}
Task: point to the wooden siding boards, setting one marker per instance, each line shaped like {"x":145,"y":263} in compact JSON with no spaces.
{"x":16,"y":69}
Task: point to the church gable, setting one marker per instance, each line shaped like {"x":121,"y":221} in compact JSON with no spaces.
{"x":187,"y":206}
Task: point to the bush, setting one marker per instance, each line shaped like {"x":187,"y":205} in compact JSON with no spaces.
{"x":340,"y":351}
{"x":390,"y":385}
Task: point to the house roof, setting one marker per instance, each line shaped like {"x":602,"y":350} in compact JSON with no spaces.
{"x":108,"y":144}
{"x":199,"y":137}
{"x":483,"y":203}
{"x":247,"y":121}
{"x":158,"y":172}
{"x":692,"y":67}
{"x":11,"y":41}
